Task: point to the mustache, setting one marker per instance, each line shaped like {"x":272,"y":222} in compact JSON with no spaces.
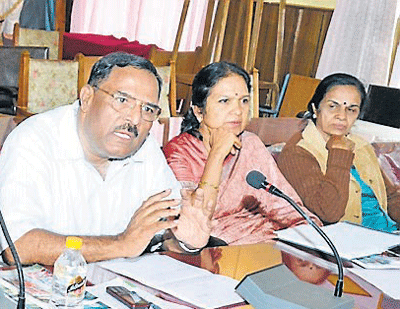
{"x":130,"y":128}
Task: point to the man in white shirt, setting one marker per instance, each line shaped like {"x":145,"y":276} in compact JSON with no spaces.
{"x":91,"y":169}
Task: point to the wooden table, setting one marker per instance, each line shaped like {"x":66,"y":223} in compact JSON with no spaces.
{"x":238,"y":261}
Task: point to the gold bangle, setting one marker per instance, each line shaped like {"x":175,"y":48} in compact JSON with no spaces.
{"x":205,"y":183}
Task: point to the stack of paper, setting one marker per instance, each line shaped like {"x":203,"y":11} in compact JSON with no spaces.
{"x":351,"y":240}
{"x":388,"y":281}
{"x":189,"y":283}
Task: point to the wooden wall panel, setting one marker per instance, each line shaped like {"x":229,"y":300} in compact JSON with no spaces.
{"x":305,"y":32}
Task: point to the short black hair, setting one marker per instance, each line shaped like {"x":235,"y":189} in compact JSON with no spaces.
{"x":103,"y":67}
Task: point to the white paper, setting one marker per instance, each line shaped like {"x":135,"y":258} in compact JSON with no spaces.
{"x":351,"y":240}
{"x":388,"y":281}
{"x":188,"y":283}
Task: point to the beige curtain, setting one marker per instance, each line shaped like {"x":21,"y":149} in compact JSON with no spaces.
{"x":359,"y":40}
{"x":394,"y":78}
{"x":9,"y":15}
{"x":147,"y":21}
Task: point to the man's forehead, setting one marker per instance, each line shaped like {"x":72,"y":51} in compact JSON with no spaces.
{"x":130,"y":79}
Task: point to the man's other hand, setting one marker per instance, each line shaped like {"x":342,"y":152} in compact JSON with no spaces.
{"x":194,"y":224}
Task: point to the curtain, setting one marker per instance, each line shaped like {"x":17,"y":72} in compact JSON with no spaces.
{"x":9,"y":15}
{"x":394,"y":79}
{"x":38,"y":14}
{"x":359,"y":40}
{"x":147,"y":21}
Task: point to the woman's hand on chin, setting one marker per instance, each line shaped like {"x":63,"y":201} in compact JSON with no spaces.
{"x":340,"y":142}
{"x":222,"y":142}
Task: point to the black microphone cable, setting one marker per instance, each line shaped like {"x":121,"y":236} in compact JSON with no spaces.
{"x":21,"y":294}
{"x":258,"y":181}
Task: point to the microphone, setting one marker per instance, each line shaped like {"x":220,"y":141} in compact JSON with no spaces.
{"x":21,"y":294}
{"x":258,"y":181}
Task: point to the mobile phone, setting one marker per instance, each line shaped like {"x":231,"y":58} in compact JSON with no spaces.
{"x":395,"y":250}
{"x":129,"y":298}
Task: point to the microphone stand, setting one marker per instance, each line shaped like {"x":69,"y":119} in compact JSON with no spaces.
{"x":21,"y":294}
{"x":339,"y":284}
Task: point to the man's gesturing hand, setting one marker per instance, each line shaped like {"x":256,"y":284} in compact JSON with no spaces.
{"x":147,"y":221}
{"x":194,"y":224}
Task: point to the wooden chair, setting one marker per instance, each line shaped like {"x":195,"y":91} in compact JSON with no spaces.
{"x":299,"y":92}
{"x":11,"y":59}
{"x":253,"y":16}
{"x":166,"y":64}
{"x":45,"y":84}
{"x":209,"y":51}
{"x":274,"y":112}
{"x":9,"y":73}
{"x":34,"y":37}
{"x":85,"y":67}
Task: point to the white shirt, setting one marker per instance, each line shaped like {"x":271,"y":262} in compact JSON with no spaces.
{"x":45,"y":181}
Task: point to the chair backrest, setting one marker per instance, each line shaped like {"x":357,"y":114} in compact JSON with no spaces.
{"x":253,"y":14}
{"x":167,"y":95}
{"x":85,"y":67}
{"x":189,"y":63}
{"x":214,"y":32}
{"x":166,"y":64}
{"x":274,"y":112}
{"x":299,"y":91}
{"x":10,"y":59}
{"x":46,"y":84}
{"x":275,"y":130}
{"x":35,"y":37}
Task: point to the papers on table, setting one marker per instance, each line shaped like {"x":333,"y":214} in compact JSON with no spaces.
{"x":387,"y":281}
{"x":384,"y":260}
{"x":189,"y":283}
{"x":351,"y":240}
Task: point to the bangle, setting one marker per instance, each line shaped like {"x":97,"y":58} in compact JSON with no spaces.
{"x":187,"y":249}
{"x":205,"y":183}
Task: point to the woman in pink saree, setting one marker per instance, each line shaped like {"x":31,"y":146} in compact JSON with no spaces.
{"x":215,"y":153}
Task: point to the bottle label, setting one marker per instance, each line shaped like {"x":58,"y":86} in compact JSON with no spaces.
{"x":77,"y":286}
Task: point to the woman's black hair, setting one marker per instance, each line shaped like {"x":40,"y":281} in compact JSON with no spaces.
{"x":330,"y":81}
{"x":203,"y":82}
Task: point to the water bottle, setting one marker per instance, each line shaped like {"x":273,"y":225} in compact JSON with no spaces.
{"x":69,"y":276}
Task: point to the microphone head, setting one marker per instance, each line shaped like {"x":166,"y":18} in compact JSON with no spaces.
{"x":255,"y":179}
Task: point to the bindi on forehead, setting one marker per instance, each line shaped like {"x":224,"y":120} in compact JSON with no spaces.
{"x":345,"y":103}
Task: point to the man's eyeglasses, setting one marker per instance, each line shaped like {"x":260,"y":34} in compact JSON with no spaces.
{"x":122,"y":102}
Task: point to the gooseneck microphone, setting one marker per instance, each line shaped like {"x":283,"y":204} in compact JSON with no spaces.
{"x":21,"y":294}
{"x":258,"y":181}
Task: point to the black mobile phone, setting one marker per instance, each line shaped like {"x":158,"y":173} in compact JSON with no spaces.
{"x":129,"y":298}
{"x":395,"y":250}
